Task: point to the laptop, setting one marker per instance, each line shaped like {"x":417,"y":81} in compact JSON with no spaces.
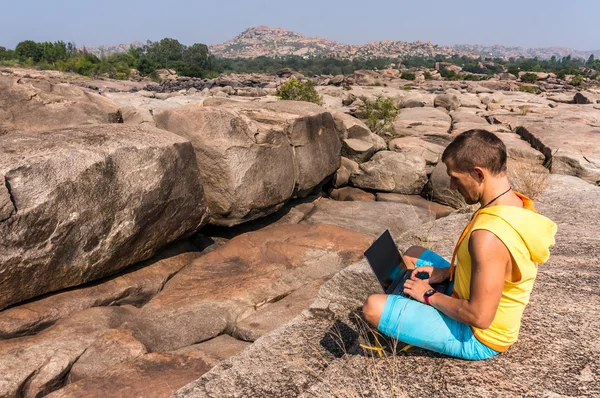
{"x":389,"y":268}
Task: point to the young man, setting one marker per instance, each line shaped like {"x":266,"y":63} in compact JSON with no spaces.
{"x":493,"y":267}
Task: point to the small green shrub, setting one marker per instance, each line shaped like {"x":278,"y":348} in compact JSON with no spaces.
{"x":408,"y":76}
{"x":577,"y":80}
{"x":295,"y":90}
{"x":427,"y":76}
{"x":527,"y":89}
{"x":376,"y":84}
{"x":529,"y":78}
{"x":406,"y":88}
{"x":378,"y":115}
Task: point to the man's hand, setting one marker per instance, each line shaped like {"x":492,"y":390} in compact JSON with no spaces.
{"x":436,"y":275}
{"x":416,"y":287}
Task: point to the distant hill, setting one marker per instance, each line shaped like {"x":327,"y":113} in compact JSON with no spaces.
{"x":271,"y":42}
{"x":108,"y":50}
{"x":542,"y":53}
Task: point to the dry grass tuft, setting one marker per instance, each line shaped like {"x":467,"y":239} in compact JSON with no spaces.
{"x":530,"y":180}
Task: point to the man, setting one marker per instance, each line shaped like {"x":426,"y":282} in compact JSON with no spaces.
{"x":493,"y":267}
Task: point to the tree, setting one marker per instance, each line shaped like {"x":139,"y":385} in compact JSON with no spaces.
{"x":28,"y":49}
{"x":590,"y":60}
{"x":164,"y":52}
{"x":197,"y":54}
{"x":299,"y":91}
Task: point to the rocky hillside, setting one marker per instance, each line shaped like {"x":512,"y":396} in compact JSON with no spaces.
{"x":112,"y":49}
{"x":271,"y":42}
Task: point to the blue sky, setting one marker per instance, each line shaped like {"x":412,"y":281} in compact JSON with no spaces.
{"x":574,"y":23}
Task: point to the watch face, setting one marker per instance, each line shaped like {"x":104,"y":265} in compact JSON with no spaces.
{"x":430,"y":292}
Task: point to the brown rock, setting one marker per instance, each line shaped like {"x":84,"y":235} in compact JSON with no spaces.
{"x":449,"y":102}
{"x":90,"y":202}
{"x":272,"y":316}
{"x":38,"y":105}
{"x":135,"y":287}
{"x":33,"y":366}
{"x":209,"y":295}
{"x":370,"y":218}
{"x":152,"y":375}
{"x":253,"y":158}
{"x":427,"y":150}
{"x":217,"y":349}
{"x":113,"y":347}
{"x":423,"y":121}
{"x":392,"y":172}
{"x":418,"y":201}
{"x":342,"y":175}
{"x":350,"y":194}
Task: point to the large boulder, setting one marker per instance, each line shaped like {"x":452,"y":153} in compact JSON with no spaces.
{"x":450,"y":102}
{"x":88,"y":202}
{"x":36,"y":105}
{"x":253,"y":158}
{"x":389,"y":171}
{"x":427,"y":150}
{"x":217,"y":290}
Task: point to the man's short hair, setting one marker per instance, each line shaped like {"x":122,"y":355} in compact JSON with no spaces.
{"x":476,"y":148}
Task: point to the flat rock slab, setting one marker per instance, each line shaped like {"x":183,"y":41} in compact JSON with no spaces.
{"x":135,"y":287}
{"x":423,"y":122}
{"x":38,"y":105}
{"x":91,"y":201}
{"x":33,"y":366}
{"x":218,"y":349}
{"x":215,"y":291}
{"x":567,"y":136}
{"x":300,"y":359}
{"x":370,"y":218}
{"x":418,"y":201}
{"x":152,"y":375}
{"x":272,"y":316}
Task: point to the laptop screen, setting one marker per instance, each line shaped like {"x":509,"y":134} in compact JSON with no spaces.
{"x":385,"y":260}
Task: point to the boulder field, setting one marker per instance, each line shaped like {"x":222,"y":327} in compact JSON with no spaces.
{"x":201,"y":238}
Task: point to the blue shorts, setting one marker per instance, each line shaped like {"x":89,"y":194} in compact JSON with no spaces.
{"x":423,"y":326}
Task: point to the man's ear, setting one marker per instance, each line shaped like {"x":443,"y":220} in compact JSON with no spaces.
{"x":478,"y":173}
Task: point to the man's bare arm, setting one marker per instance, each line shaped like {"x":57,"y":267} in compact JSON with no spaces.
{"x":489,"y":262}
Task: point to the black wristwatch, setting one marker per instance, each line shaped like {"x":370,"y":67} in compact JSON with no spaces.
{"x":428,"y":294}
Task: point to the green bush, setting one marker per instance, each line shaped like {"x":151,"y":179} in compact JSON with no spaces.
{"x":427,"y":76}
{"x":577,"y":80}
{"x":376,"y":84}
{"x":527,"y":89}
{"x":408,"y":76}
{"x":295,"y":90}
{"x":529,"y":78}
{"x":378,"y":115}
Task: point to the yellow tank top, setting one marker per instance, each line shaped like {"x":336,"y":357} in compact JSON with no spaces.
{"x":504,"y":330}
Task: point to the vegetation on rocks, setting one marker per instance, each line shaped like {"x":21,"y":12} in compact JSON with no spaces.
{"x":295,"y":90}
{"x":529,"y":77}
{"x":379,"y":114}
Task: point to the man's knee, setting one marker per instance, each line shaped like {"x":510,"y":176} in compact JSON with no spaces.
{"x":373,"y":307}
{"x":412,"y":254}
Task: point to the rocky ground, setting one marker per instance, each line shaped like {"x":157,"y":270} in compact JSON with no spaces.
{"x":202,"y":236}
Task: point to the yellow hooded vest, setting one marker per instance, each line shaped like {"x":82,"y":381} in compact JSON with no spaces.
{"x":528,"y":236}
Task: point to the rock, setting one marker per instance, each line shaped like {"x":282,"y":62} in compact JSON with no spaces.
{"x":392,"y":172}
{"x":38,"y":105}
{"x":583,"y":97}
{"x":272,"y":316}
{"x":253,"y":158}
{"x":152,"y":375}
{"x":470,"y":101}
{"x":357,"y":150}
{"x":540,"y":75}
{"x":438,"y":189}
{"x":219,"y":348}
{"x":342,"y":175}
{"x":351,"y":194}
{"x":91,"y":201}
{"x":135,"y":287}
{"x":365,"y":77}
{"x":113,"y":347}
{"x":351,"y":127}
{"x":416,"y":146}
{"x":417,"y":201}
{"x":213,"y":292}
{"x":370,"y":218}
{"x":34,"y":366}
{"x":423,"y":122}
{"x":447,"y":101}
